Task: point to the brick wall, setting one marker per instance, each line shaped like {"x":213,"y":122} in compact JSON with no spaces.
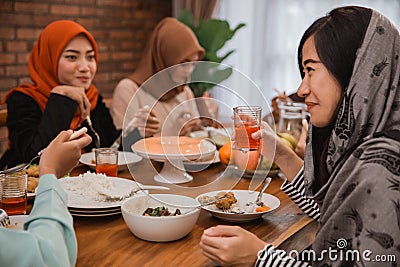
{"x":120,"y":28}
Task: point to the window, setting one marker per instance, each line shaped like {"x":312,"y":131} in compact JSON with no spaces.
{"x":265,"y":50}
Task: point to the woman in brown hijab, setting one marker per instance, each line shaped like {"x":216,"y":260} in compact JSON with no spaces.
{"x":151,"y":106}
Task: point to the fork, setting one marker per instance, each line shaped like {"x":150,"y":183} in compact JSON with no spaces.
{"x":4,"y":219}
{"x":22,"y":166}
{"x":202,"y":204}
{"x":97,"y":139}
{"x":258,"y":201}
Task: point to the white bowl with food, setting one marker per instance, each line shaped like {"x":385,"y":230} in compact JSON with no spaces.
{"x":160,"y":228}
{"x":236,"y":210}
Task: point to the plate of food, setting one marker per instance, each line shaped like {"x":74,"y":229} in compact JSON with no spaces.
{"x":233,"y":208}
{"x":173,"y":151}
{"x":33,"y":179}
{"x":124,"y":158}
{"x":90,"y":191}
{"x":180,"y":148}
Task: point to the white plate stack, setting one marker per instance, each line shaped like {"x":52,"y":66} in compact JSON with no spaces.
{"x":85,"y":201}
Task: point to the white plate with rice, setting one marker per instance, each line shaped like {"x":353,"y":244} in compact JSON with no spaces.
{"x":83,"y":191}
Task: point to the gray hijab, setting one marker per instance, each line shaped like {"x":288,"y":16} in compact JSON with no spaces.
{"x":360,"y":203}
{"x":371,"y":102}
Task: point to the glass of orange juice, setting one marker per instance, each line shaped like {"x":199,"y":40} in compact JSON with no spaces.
{"x":246,"y":121}
{"x":13,"y":188}
{"x":107,"y":161}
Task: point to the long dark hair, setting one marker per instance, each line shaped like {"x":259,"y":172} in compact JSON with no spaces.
{"x":337,"y":37}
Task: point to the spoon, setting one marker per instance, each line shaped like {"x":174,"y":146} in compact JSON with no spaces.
{"x":4,"y":219}
{"x":23,"y":166}
{"x":258,"y":201}
{"x":121,"y":194}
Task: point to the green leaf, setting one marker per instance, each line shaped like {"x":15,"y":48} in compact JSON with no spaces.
{"x":226,"y":55}
{"x":213,"y":34}
{"x":186,"y":18}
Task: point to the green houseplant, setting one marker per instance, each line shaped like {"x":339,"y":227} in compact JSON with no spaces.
{"x":212,"y":35}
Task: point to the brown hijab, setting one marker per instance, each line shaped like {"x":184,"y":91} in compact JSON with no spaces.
{"x":171,"y":43}
{"x":43,"y":64}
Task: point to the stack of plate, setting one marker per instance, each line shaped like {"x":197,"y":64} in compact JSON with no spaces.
{"x":78,"y":212}
{"x":81,"y":204}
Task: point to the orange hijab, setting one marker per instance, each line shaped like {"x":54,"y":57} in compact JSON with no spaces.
{"x":43,"y":64}
{"x":171,"y":43}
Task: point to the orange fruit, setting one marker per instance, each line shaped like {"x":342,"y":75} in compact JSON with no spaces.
{"x":225,"y":153}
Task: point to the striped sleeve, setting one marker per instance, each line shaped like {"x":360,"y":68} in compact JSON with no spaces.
{"x":295,"y":190}
{"x":270,"y":256}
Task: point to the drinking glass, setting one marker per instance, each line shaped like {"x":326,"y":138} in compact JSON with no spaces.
{"x":291,"y":115}
{"x":246,"y":121}
{"x":13,"y":188}
{"x":107,"y":161}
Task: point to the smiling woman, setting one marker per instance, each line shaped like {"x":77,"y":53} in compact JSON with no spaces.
{"x":350,"y":179}
{"x":320,"y":88}
{"x":62,"y":66}
{"x":77,"y":55}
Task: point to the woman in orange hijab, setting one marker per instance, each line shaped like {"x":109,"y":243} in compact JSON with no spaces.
{"x":167,"y":98}
{"x":62,"y":66}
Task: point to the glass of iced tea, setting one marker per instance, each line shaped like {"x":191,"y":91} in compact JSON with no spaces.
{"x":246,"y":121}
{"x":13,"y":188}
{"x":107,"y":161}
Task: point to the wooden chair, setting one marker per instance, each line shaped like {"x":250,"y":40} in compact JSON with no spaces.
{"x":3,"y":117}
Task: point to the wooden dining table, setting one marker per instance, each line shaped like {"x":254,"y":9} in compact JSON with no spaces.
{"x":107,"y":241}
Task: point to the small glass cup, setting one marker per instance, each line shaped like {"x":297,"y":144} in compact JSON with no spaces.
{"x":246,"y":120}
{"x":291,"y":115}
{"x":13,"y":190}
{"x":107,"y":161}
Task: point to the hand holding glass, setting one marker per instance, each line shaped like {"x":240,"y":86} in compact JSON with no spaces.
{"x":246,"y":121}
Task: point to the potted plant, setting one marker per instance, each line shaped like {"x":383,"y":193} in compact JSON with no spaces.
{"x":212,"y":35}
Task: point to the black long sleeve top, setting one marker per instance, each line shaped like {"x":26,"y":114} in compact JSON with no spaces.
{"x":31,"y":130}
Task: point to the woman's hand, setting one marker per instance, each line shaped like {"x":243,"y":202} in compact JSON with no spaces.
{"x":271,"y":145}
{"x":274,"y":148}
{"x":62,"y":154}
{"x":190,"y":126}
{"x":145,"y":121}
{"x":78,"y":95}
{"x":230,"y":245}
{"x":301,"y":144}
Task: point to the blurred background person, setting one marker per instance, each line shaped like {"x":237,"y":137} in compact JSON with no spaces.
{"x":168,"y":95}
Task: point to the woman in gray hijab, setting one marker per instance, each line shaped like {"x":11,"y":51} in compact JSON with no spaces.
{"x":350,"y":182}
